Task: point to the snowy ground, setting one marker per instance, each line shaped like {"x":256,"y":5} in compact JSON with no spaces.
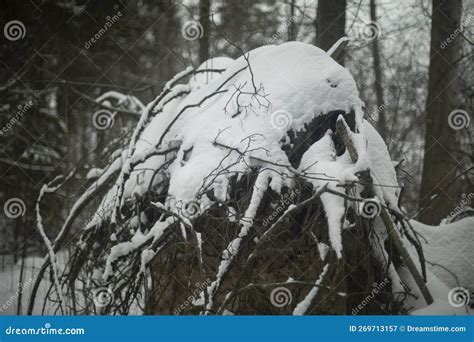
{"x":9,"y":284}
{"x":449,"y":252}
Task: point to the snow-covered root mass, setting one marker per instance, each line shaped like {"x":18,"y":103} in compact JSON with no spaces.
{"x":237,"y":179}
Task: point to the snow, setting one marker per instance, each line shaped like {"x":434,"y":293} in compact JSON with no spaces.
{"x":441,"y":304}
{"x":199,"y":245}
{"x":337,"y":44}
{"x":124,"y":248}
{"x":323,"y":250}
{"x":304,"y":305}
{"x":448,"y":250}
{"x":125,"y":100}
{"x":280,"y":85}
{"x":385,"y":177}
{"x":9,"y":289}
{"x":320,"y":159}
{"x":146,"y":256}
{"x":94,"y":173}
{"x":450,"y":246}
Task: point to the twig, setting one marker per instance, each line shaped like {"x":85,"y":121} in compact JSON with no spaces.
{"x":45,"y":168}
{"x":132,"y":113}
{"x":339,"y":48}
{"x":251,"y":286}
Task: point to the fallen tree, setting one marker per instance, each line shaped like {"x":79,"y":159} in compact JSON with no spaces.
{"x":253,"y":186}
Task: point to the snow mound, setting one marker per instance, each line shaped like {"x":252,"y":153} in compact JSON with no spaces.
{"x":234,"y":117}
{"x":449,"y":251}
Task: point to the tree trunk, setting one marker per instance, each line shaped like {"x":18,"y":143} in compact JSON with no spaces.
{"x":382,"y":122}
{"x":204,"y":18}
{"x":440,"y":165}
{"x":291,"y":22}
{"x":330,"y":24}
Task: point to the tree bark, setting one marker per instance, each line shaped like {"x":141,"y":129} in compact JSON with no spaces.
{"x":291,"y":22}
{"x":378,"y":72}
{"x":440,"y":164}
{"x":330,"y":24}
{"x":204,"y":18}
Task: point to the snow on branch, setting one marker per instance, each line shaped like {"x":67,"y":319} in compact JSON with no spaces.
{"x":48,"y":189}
